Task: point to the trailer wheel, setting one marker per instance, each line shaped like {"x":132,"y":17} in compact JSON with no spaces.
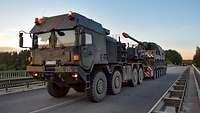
{"x":115,"y":83}
{"x":134,"y":78}
{"x":165,"y":71}
{"x":157,"y":74}
{"x":154,"y":74}
{"x":98,"y":87}
{"x":56,"y":91}
{"x":140,"y":76}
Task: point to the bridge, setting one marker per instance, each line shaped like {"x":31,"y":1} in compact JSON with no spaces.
{"x":20,"y":93}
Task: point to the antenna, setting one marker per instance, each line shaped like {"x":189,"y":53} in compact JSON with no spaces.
{"x":119,"y":39}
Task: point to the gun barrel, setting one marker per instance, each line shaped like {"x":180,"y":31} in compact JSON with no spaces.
{"x":127,"y":36}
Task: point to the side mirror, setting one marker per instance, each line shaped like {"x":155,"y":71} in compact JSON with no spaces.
{"x":21,"y":40}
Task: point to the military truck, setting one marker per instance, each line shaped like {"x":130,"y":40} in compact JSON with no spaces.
{"x":72,"y":51}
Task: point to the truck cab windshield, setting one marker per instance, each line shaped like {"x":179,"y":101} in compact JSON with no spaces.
{"x":62,"y":38}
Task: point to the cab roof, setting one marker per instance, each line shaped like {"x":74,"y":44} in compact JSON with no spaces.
{"x":62,"y":22}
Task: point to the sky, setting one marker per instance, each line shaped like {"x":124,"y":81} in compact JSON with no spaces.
{"x":173,"y":24}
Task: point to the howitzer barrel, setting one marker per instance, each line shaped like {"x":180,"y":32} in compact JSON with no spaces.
{"x":127,"y":36}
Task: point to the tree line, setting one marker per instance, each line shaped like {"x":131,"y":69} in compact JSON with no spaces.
{"x":173,"y":57}
{"x":14,"y":60}
{"x":196,"y":58}
{"x":18,"y":61}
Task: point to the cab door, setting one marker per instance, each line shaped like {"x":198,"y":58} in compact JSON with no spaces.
{"x":87,"y":51}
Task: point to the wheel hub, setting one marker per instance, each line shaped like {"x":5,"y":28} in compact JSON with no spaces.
{"x":100,"y":86}
{"x":135,"y":76}
{"x":117,"y":82}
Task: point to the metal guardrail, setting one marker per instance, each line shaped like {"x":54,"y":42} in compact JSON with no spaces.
{"x":13,"y":74}
{"x":172,"y":99}
{"x":197,"y":79}
{"x":10,"y":79}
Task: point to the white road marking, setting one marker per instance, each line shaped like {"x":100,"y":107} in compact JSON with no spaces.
{"x":56,"y":105}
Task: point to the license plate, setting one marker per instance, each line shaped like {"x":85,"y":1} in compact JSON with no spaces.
{"x":50,"y":63}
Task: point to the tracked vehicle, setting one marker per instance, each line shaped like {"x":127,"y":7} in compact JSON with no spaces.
{"x":72,"y":51}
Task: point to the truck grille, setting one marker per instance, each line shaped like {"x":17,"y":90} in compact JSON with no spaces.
{"x":49,"y":68}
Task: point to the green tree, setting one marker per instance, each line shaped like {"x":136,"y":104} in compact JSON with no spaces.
{"x":173,"y":57}
{"x":22,"y":59}
{"x":196,"y":58}
{"x":14,"y":60}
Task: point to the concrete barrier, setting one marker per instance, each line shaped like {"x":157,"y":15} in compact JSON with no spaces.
{"x":197,"y":79}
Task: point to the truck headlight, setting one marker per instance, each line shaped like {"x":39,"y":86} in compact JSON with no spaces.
{"x":75,"y":75}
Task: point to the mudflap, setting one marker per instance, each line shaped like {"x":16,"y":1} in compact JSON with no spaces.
{"x":87,"y":88}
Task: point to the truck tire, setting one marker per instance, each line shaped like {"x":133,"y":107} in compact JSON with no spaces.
{"x":140,"y":75}
{"x":79,"y":88}
{"x":154,"y":74}
{"x":134,"y":78}
{"x":161,"y":72}
{"x":56,"y":91}
{"x":115,"y":83}
{"x":157,"y":74}
{"x":98,"y":87}
{"x":165,"y":71}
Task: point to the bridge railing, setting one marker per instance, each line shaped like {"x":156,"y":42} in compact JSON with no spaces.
{"x":13,"y":74}
{"x":172,"y":100}
{"x":197,"y":79}
{"x":10,"y":79}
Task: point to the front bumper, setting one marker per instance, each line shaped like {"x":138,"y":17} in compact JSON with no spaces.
{"x":45,"y":72}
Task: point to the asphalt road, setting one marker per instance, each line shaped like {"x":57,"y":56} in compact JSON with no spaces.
{"x":139,"y":99}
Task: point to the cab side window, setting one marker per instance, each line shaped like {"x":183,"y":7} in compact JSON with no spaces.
{"x":88,"y":39}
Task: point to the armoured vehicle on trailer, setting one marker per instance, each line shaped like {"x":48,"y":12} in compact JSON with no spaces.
{"x":72,"y":51}
{"x":151,"y":55}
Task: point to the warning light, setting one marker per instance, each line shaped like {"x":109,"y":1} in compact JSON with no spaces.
{"x":70,"y":15}
{"x":39,"y":21}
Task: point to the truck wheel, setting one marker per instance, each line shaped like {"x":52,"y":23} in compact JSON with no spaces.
{"x":140,"y":76}
{"x":115,"y":83}
{"x":134,"y":78}
{"x":162,"y":72}
{"x":165,"y":71}
{"x":154,"y":74}
{"x":159,"y":71}
{"x":157,"y":74}
{"x":56,"y":91}
{"x":79,"y":88}
{"x":98,"y":87}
